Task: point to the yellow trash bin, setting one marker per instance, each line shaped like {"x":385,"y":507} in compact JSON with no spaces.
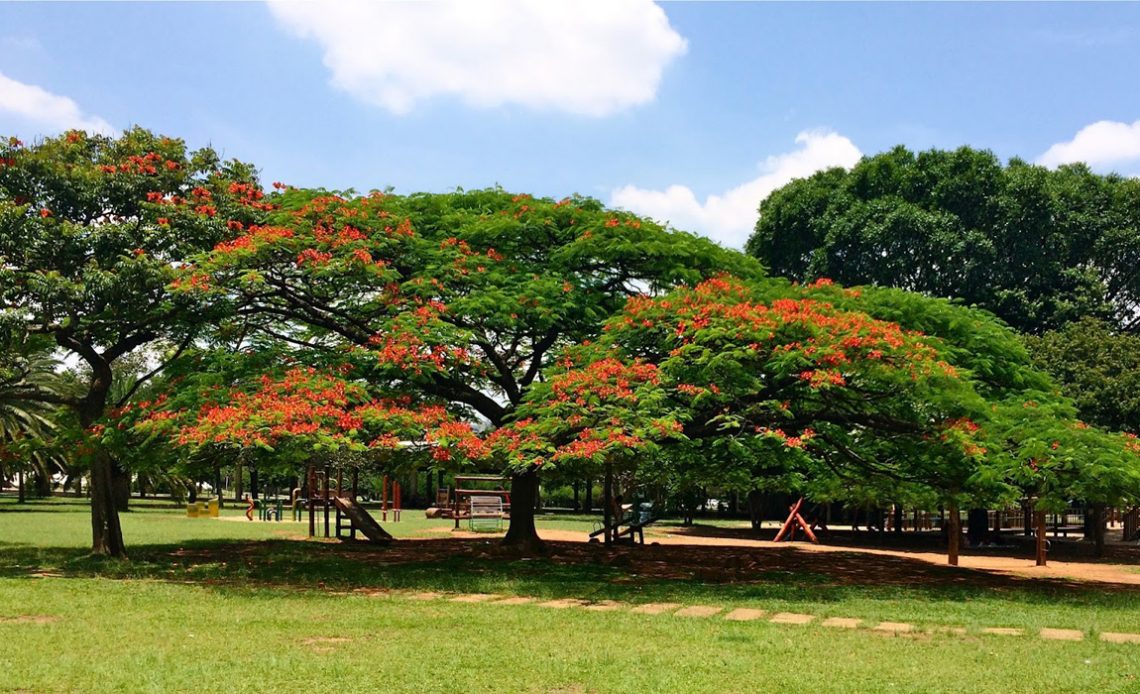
{"x":212,"y":505}
{"x":192,"y":510}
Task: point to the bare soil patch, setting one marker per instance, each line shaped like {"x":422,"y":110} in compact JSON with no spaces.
{"x":29,"y":619}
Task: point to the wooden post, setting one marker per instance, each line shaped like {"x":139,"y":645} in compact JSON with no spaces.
{"x":398,"y":505}
{"x":384,"y":498}
{"x":455,"y":506}
{"x":355,"y":481}
{"x":607,"y":502}
{"x":1039,"y":518}
{"x":954,"y":532}
{"x":312,"y":484}
{"x":326,"y":500}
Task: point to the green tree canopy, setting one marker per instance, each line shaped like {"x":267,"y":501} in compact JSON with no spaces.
{"x":461,"y":297}
{"x":783,"y":384}
{"x":1038,"y":248}
{"x":1099,"y":368}
{"x":94,"y":230}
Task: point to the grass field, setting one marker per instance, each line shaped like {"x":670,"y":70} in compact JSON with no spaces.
{"x":234,"y":606}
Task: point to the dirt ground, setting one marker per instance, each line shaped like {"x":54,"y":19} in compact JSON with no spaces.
{"x":710,"y":553}
{"x":734,"y":554}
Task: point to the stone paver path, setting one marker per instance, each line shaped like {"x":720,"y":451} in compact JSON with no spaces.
{"x":697,"y":611}
{"x":894,"y":627}
{"x":1113,"y":637}
{"x":1003,"y":631}
{"x":842,"y":622}
{"x":748,"y":614}
{"x":791,"y":618}
{"x":605,"y":606}
{"x":744,"y":614}
{"x":473,"y":597}
{"x":656,"y":607}
{"x":562,"y":604}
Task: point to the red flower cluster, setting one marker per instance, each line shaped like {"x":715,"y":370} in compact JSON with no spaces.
{"x":607,"y":379}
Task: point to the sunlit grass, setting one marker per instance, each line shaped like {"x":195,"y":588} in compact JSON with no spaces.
{"x":246,"y":606}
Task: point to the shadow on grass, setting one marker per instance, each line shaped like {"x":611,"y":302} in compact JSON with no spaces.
{"x":1014,"y":545}
{"x":674,"y":573}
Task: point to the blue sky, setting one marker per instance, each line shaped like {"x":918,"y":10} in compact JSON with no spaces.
{"x":688,"y":112}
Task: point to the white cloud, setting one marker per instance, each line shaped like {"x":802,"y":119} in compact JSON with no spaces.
{"x":589,"y":57}
{"x":44,"y":110}
{"x":1102,"y":143}
{"x":730,"y":217}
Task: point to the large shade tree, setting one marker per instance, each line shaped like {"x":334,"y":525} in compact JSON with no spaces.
{"x":460,"y":297}
{"x":1038,"y":248}
{"x":94,"y":233}
{"x":787,"y":383}
{"x":1099,"y":368}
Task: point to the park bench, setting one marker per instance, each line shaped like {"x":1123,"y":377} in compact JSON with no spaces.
{"x":486,"y":513}
{"x":631,"y":524}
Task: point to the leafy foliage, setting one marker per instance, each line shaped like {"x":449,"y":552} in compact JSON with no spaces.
{"x":1098,"y":367}
{"x":1038,"y":248}
{"x":94,"y":231}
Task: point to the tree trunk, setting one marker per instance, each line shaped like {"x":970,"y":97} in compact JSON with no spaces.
{"x":120,"y":486}
{"x":239,"y":483}
{"x":954,"y":532}
{"x":106,"y":533}
{"x":43,"y":485}
{"x":756,"y":509}
{"x":1039,"y":525}
{"x":1098,"y":516}
{"x":898,"y":520}
{"x":577,"y":497}
{"x":253,"y":481}
{"x":521,"y":533}
{"x":21,"y":495}
{"x":977,"y":526}
{"x":608,"y":504}
{"x":589,"y":495}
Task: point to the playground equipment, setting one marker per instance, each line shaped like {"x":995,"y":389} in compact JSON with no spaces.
{"x":390,"y":499}
{"x":270,"y":509}
{"x":465,"y":491}
{"x":202,"y":509}
{"x":485,"y":513}
{"x":794,"y":521}
{"x":332,"y":497}
{"x":630,"y":522}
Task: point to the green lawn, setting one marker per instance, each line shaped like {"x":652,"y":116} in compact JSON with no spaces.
{"x":236,"y":606}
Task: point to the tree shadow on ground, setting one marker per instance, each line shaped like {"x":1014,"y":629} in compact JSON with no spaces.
{"x":1013,"y":546}
{"x":568,"y":569}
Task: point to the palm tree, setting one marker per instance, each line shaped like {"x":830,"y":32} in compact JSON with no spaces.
{"x":28,"y":418}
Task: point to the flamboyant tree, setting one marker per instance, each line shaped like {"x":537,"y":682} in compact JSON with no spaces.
{"x":461,"y":297}
{"x":822,"y":399}
{"x":94,"y":231}
{"x":294,"y":415}
{"x":763,"y":383}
